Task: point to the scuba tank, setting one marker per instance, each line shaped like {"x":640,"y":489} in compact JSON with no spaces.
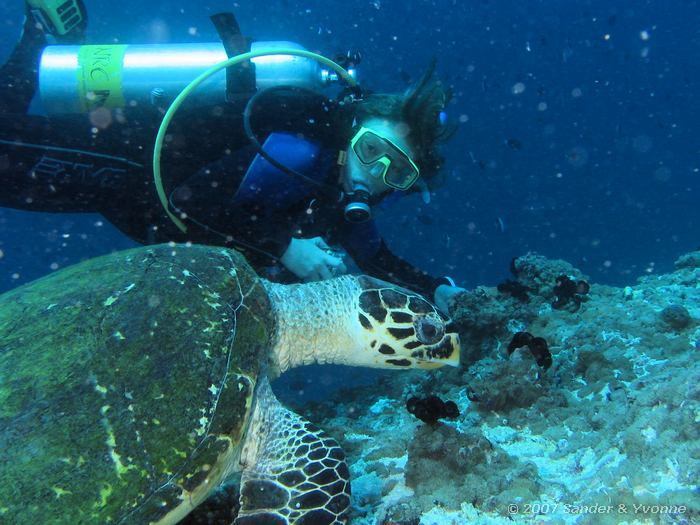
{"x":83,"y":79}
{"x":80,"y":79}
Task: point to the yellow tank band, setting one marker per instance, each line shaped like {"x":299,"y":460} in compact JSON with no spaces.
{"x":100,"y":77}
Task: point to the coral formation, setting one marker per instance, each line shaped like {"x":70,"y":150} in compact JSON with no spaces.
{"x":610,"y":433}
{"x":676,"y":316}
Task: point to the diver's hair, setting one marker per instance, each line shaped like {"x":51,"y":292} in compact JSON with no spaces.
{"x":419,"y":107}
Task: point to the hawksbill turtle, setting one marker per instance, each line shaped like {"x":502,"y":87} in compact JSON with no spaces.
{"x":134,"y":384}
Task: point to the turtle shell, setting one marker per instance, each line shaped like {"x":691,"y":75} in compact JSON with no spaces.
{"x":125,"y":382}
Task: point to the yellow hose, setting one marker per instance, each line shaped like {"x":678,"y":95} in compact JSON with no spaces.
{"x":170,"y":113}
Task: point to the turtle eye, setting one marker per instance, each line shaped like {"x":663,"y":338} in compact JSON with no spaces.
{"x":429,"y":330}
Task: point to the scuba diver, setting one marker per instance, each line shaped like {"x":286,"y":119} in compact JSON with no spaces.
{"x":285,"y":201}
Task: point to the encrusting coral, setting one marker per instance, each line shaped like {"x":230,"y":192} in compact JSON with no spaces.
{"x":609,"y":433}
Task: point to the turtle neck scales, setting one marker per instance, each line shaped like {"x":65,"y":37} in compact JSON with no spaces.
{"x":315,"y":323}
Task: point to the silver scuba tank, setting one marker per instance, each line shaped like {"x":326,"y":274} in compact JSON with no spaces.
{"x":80,"y":79}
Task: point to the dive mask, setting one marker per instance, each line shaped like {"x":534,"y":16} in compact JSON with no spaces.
{"x":385,"y":159}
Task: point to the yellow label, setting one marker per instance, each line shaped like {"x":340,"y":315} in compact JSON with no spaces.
{"x":100,"y":76}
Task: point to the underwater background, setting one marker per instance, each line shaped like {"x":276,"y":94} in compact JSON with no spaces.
{"x":578,"y":138}
{"x":579,"y":141}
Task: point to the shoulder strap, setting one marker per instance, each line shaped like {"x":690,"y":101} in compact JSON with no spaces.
{"x":240,"y":79}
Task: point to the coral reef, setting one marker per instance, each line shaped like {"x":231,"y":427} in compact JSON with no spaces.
{"x":610,"y":433}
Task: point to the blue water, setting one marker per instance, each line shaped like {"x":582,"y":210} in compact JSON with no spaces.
{"x":579,"y":127}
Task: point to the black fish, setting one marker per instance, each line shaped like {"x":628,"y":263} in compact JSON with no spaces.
{"x":515,"y":289}
{"x":519,"y":340}
{"x":540,"y":350}
{"x":570,"y":292}
{"x":514,"y":144}
{"x":537,"y":345}
{"x":432,"y":408}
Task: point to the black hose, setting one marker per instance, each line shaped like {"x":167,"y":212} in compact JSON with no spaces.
{"x":252,"y":137}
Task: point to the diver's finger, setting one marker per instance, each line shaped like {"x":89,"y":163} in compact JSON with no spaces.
{"x":312,"y":276}
{"x":336,"y":264}
{"x":318,"y":241}
{"x":340,"y":269}
{"x":326,"y":272}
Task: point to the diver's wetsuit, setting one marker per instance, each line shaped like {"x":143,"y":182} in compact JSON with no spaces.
{"x":51,"y":165}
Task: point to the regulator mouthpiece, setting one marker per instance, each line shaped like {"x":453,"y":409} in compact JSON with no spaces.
{"x":357,"y":209}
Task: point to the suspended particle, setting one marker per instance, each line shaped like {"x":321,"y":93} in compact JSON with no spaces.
{"x":577,"y":156}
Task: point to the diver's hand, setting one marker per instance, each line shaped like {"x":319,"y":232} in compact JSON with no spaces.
{"x":445,"y":297}
{"x":310,"y":260}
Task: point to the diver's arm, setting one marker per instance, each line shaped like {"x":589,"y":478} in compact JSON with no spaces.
{"x":365,"y":245}
{"x":383,"y":264}
{"x":18,"y":75}
{"x":207,"y":200}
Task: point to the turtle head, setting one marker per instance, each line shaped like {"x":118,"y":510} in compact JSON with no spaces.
{"x":400,"y":329}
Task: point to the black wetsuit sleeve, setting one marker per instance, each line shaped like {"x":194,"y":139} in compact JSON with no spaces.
{"x":18,"y":75}
{"x":207,"y":200}
{"x":389,"y":267}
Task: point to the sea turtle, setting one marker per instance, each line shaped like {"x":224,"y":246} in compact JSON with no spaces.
{"x":134,"y":384}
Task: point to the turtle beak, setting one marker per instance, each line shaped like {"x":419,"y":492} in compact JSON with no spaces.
{"x":455,"y":343}
{"x":451,"y":348}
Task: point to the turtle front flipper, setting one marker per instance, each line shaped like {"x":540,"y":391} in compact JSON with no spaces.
{"x":293,"y":473}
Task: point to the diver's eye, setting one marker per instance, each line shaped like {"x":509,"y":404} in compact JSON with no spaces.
{"x":429,"y":330}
